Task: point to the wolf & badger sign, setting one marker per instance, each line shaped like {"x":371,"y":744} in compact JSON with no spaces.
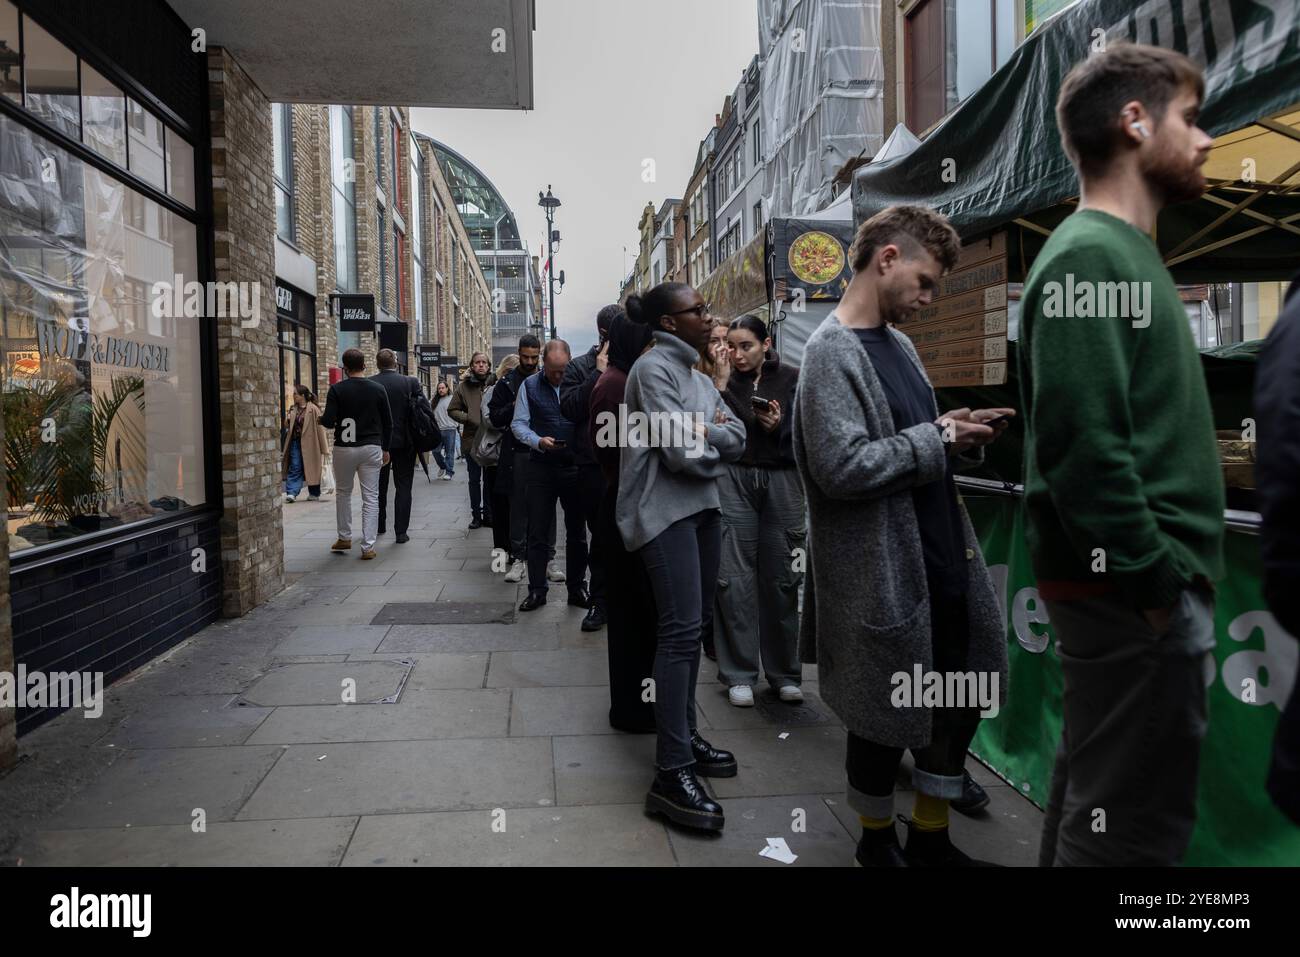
{"x":56,"y":340}
{"x":961,"y":336}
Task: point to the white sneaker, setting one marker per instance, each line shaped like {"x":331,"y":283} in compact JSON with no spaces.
{"x":791,"y":693}
{"x":516,"y":572}
{"x":742,"y":696}
{"x":313,"y":498}
{"x":446,"y":477}
{"x":553,"y":572}
{"x":290,"y":498}
{"x":441,"y":472}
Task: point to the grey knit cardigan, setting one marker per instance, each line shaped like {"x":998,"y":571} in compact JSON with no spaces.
{"x":866,"y":608}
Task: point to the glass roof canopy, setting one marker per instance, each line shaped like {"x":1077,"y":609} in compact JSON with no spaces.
{"x":487,"y":219}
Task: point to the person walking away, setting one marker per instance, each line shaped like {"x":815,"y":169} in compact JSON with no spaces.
{"x":401,"y":390}
{"x":896,"y":580}
{"x":465,"y":409}
{"x":445,"y":454}
{"x":492,"y":473}
{"x":552,"y":475}
{"x":575,"y":403}
{"x":302,"y":456}
{"x":757,"y":607}
{"x":1124,"y":493}
{"x":668,"y":511}
{"x":632,"y":616}
{"x":357,"y":410}
{"x":512,"y":464}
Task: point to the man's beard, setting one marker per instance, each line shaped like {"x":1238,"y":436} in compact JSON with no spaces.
{"x":1176,"y":180}
{"x":892,"y":310}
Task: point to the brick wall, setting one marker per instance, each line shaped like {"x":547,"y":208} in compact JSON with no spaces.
{"x":248,"y":370}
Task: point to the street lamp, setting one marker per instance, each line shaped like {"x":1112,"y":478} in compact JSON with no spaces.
{"x":549,"y":203}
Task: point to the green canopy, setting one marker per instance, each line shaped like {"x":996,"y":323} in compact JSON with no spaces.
{"x":996,"y":161}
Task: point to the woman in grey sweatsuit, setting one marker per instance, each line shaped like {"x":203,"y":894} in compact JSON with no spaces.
{"x":679,"y":437}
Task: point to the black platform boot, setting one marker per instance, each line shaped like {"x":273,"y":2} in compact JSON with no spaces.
{"x":711,"y":762}
{"x":678,"y":795}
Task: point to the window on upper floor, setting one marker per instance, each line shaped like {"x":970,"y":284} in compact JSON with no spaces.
{"x":950,"y":49}
{"x":282,"y":149}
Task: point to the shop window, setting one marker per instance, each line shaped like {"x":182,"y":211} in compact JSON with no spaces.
{"x":101,"y":378}
{"x":951,"y":49}
{"x":51,"y":79}
{"x":11,"y":60}
{"x":103,"y":111}
{"x":145,"y":132}
{"x":180,"y":169}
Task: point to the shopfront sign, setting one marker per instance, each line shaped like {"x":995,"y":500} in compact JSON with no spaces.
{"x":394,"y":335}
{"x":356,"y":312}
{"x":53,"y":339}
{"x":429,"y":354}
{"x":450,"y":365}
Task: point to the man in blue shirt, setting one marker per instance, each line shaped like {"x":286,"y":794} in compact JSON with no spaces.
{"x":552,"y":474}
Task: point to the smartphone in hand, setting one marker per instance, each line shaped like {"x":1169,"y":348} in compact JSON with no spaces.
{"x":760,"y":404}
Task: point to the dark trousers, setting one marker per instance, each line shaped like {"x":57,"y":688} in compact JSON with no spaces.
{"x":872,"y":768}
{"x":401,"y":463}
{"x":519,"y":512}
{"x":500,"y":511}
{"x":592,"y":482}
{"x":548,"y":484}
{"x":632,"y":631}
{"x":682,"y":564}
{"x":479,"y":503}
{"x":1134,"y":715}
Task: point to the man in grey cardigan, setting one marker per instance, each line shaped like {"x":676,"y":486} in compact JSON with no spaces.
{"x":897,"y":593}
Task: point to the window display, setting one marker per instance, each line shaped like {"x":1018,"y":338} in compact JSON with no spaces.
{"x":101,"y":398}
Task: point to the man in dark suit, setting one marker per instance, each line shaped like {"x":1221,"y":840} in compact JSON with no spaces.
{"x":403,"y":455}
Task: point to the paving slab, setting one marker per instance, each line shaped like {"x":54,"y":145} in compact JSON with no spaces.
{"x":330,"y":780}
{"x":821,"y":842}
{"x":461,"y":638}
{"x":389,"y":594}
{"x":549,"y":711}
{"x":603,"y":768}
{"x":331,"y":640}
{"x":187,"y":721}
{"x":325,"y":683}
{"x":479,"y":609}
{"x":421,"y":716}
{"x":165,"y":786}
{"x":436,"y":671}
{"x":569,"y":667}
{"x":712,"y":701}
{"x":315,"y":842}
{"x":807,"y":760}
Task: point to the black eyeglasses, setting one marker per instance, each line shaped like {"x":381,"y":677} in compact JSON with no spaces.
{"x":701,"y":310}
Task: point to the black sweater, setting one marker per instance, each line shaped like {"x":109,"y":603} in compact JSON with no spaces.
{"x":773,"y":450}
{"x":365,"y":402}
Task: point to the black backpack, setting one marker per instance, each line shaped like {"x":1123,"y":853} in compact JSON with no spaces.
{"x":422,"y":431}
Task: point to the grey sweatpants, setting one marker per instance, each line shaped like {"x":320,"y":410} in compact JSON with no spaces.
{"x":1124,"y":786}
{"x":363,"y":462}
{"x":757,"y":601}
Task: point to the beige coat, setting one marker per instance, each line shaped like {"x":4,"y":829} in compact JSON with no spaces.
{"x":314,"y":444}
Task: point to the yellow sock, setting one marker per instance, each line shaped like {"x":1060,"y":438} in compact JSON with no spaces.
{"x":930,"y":813}
{"x":875,"y":823}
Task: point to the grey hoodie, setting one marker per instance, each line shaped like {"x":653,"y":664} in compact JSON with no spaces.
{"x":663,"y":481}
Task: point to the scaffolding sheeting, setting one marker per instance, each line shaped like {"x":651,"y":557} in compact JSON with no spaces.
{"x":822,"y":95}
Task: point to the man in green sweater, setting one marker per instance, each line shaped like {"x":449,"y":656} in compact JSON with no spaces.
{"x":1123,"y":489}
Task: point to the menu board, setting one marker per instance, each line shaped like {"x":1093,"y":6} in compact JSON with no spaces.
{"x":961,"y":336}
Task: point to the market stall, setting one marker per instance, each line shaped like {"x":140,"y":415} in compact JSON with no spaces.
{"x":995,"y":167}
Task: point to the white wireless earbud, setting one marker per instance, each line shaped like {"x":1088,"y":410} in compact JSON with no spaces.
{"x":1140,"y":127}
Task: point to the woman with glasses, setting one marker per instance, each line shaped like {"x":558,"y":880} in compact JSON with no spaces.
{"x":668,"y":511}
{"x":756,"y":620}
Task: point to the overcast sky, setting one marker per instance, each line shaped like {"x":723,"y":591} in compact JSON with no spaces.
{"x":615,"y":82}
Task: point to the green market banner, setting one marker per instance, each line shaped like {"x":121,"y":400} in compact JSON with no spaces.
{"x":1236,"y":824}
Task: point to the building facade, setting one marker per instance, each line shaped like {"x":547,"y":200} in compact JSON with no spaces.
{"x":663,"y":250}
{"x":171,"y":242}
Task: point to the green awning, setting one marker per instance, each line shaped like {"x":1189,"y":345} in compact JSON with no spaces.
{"x":1001,"y":150}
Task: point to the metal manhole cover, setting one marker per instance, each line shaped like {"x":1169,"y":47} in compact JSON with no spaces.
{"x":446,"y":613}
{"x":776,"y":711}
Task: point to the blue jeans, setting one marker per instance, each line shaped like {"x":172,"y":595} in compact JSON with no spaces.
{"x":682,"y":564}
{"x":297,"y":477}
{"x":445,"y":455}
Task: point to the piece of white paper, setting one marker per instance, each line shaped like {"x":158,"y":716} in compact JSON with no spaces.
{"x":778,"y":850}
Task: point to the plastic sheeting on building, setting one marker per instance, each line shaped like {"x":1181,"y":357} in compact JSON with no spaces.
{"x":822,"y":95}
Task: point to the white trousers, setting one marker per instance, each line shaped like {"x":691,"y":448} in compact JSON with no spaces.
{"x":364,"y":462}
